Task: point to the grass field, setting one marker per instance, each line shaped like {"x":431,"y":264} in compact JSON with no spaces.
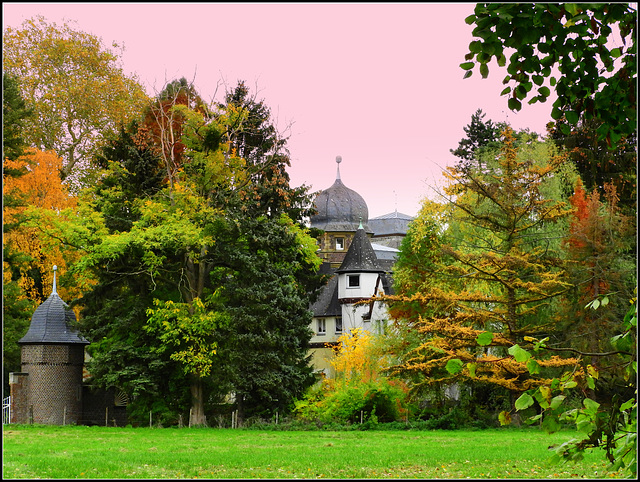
{"x":37,"y":451}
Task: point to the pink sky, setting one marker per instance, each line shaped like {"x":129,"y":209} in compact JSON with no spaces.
{"x":378,"y":84}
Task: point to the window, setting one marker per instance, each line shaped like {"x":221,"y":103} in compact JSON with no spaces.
{"x":353,"y":281}
{"x":338,"y":325}
{"x":322,"y":327}
{"x":339,"y":244}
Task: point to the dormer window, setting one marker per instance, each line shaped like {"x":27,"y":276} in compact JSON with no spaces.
{"x":339,"y":244}
{"x":353,"y":281}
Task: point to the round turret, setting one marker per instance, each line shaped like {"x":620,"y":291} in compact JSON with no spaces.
{"x":340,"y":209}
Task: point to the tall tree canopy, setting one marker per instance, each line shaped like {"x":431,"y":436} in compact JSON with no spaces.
{"x":592,"y":46}
{"x":201,"y":258}
{"x":492,"y":274}
{"x":75,"y":87}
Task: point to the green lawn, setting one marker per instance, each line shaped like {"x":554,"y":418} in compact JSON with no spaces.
{"x":124,"y":453}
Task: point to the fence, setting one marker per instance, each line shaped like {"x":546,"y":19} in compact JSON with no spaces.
{"x":6,"y":410}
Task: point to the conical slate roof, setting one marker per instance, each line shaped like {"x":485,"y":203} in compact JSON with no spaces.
{"x":340,"y":208}
{"x":51,"y":321}
{"x":360,"y":257}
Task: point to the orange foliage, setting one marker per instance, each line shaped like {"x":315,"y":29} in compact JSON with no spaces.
{"x":40,"y":187}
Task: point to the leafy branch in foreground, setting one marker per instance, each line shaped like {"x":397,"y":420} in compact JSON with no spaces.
{"x":610,"y":426}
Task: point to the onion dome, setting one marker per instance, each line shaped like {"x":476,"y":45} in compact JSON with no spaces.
{"x":51,"y":322}
{"x":339,"y":208}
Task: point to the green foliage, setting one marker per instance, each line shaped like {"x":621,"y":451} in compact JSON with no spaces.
{"x":14,"y":116}
{"x":597,"y":75}
{"x":17,"y":310}
{"x":480,"y":135}
{"x":611,"y":425}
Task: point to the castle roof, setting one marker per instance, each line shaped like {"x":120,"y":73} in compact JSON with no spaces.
{"x":340,"y":208}
{"x":390,"y":224}
{"x":51,"y":322}
{"x":360,"y":257}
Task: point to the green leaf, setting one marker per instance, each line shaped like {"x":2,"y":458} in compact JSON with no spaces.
{"x":468,"y":74}
{"x":557,"y":401}
{"x":514,"y":104}
{"x":544,"y":91}
{"x":484,"y":70}
{"x":504,"y":418}
{"x":519,"y":354}
{"x":475,"y":46}
{"x":485,"y":338}
{"x":533,"y":367}
{"x":627,"y":405}
{"x":454,"y":366}
{"x":572,"y":8}
{"x":472,"y":369}
{"x":470,"y":20}
{"x":524,"y":401}
{"x":572,"y":117}
{"x":550,"y":425}
{"x":467,"y":65}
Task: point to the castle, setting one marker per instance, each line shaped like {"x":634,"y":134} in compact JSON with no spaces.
{"x":358,"y":254}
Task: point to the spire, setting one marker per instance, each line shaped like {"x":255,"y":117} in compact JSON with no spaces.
{"x":360,"y":226}
{"x":338,"y":161}
{"x":53,"y":290}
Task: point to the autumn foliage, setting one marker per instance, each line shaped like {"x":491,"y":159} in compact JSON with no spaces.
{"x":39,"y":187}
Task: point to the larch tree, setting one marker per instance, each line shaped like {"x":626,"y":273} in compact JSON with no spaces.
{"x":76,"y":88}
{"x":495,"y":274}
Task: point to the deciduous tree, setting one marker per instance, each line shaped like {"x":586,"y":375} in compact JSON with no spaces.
{"x":75,"y":86}
{"x":585,"y":52}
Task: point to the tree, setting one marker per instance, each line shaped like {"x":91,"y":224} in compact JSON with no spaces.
{"x":14,"y":115}
{"x":599,"y":265}
{"x":40,"y":188}
{"x":496,"y":275}
{"x":597,"y":72}
{"x":194,"y":250}
{"x":264,"y":348}
{"x":75,"y":87}
{"x":360,"y":391}
{"x":598,"y":164}
{"x":480,"y":134}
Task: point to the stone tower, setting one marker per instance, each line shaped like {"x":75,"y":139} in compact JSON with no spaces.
{"x":49,"y":388}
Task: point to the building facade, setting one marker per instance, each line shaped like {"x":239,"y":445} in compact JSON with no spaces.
{"x":358,"y":267}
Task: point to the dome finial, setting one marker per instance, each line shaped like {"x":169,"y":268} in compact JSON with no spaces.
{"x":338,"y":161}
{"x":360,"y":226}
{"x":55,"y":268}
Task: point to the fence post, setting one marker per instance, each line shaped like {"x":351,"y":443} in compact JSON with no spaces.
{"x":150,"y":419}
{"x":64,"y":415}
{"x":106,"y":416}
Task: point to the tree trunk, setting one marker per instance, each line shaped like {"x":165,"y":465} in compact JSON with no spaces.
{"x":197,"y":402}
